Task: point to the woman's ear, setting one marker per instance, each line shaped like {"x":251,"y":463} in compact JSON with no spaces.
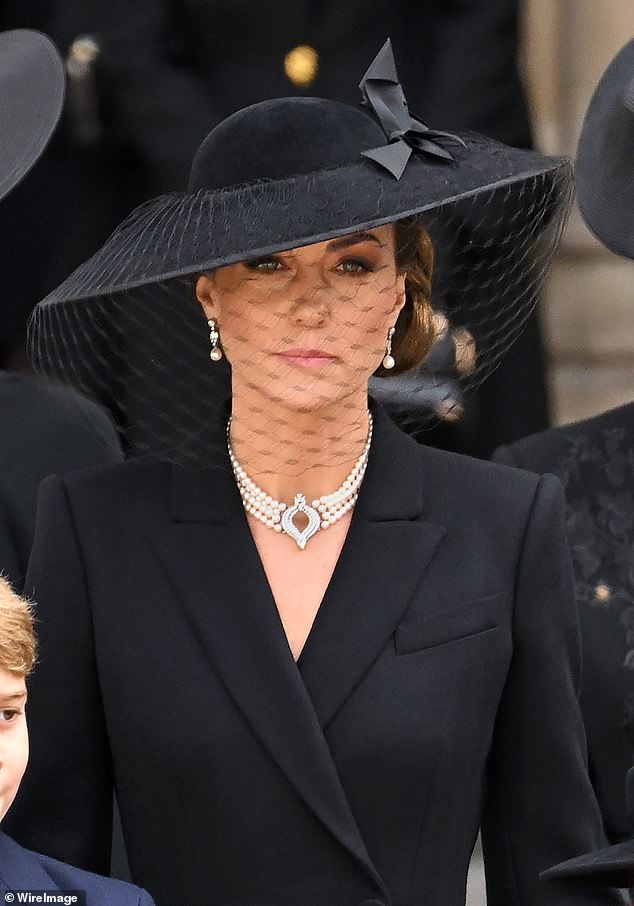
{"x":205,"y":293}
{"x":401,"y":292}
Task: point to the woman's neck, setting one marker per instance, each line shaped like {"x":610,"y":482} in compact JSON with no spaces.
{"x":288,"y":452}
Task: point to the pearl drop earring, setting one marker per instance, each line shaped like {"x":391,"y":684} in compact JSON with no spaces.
{"x":388,"y":359}
{"x":214,"y":338}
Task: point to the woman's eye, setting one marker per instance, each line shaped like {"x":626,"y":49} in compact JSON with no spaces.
{"x":8,"y":714}
{"x":268,"y":265}
{"x":355,"y":266}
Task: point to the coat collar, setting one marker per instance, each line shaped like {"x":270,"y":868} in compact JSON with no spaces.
{"x":20,"y":869}
{"x":212,"y":561}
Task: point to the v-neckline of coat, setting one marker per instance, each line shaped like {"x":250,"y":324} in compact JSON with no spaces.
{"x":272,"y":601}
{"x":387,"y":527}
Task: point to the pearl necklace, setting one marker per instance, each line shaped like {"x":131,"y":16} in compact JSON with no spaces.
{"x":321,"y":513}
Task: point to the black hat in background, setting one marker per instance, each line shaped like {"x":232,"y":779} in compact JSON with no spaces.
{"x":31,"y":100}
{"x":605,"y":157}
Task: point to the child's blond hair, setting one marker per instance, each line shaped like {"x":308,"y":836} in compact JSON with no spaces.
{"x":17,"y":638}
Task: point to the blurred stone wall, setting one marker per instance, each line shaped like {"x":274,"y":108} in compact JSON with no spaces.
{"x":588,"y":309}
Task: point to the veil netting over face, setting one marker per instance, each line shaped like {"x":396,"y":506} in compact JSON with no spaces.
{"x":476,"y":225}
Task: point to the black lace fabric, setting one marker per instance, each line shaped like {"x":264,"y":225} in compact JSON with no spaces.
{"x":594,"y":459}
{"x":600,"y":525}
{"x":597,"y":470}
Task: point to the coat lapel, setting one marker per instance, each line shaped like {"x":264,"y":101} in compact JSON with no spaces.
{"x":213,"y":563}
{"x":386,"y":554}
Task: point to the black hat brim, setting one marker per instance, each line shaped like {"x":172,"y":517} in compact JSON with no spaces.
{"x":609,"y":867}
{"x":32,"y":91}
{"x":180,"y":234}
{"x":604,"y":176}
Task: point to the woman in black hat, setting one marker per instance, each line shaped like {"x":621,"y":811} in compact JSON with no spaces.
{"x":43,"y":429}
{"x":595,"y":461}
{"x":312,"y":656}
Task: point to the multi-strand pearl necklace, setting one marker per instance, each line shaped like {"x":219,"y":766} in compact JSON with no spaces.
{"x":321,"y":513}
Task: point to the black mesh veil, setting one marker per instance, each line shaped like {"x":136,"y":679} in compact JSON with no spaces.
{"x":127,"y":330}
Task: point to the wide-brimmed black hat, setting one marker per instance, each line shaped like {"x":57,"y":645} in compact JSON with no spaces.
{"x":286,"y":173}
{"x":294,"y":171}
{"x":32,"y":96}
{"x":605,"y":156}
{"x":612,"y":866}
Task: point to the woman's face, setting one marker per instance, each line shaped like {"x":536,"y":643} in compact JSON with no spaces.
{"x":307,"y":327}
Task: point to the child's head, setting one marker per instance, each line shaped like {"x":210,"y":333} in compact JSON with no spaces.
{"x":17,"y":656}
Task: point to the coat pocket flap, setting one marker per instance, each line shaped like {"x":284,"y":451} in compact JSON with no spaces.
{"x":419,"y":631}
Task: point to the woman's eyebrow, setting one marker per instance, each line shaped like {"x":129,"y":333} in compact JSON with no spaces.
{"x":354,"y":239}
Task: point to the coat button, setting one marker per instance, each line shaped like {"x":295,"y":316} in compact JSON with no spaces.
{"x":301,"y":65}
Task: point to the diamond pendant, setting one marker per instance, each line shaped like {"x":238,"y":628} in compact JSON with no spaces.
{"x":289,"y":527}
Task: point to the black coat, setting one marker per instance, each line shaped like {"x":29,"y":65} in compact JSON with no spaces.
{"x":595,"y":461}
{"x":45,"y":430}
{"x":436,"y":691}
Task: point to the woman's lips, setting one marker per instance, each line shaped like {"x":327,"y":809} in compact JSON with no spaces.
{"x":307,"y":358}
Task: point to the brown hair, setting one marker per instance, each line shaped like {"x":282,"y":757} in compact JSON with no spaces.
{"x":17,"y":638}
{"x":415,"y":327}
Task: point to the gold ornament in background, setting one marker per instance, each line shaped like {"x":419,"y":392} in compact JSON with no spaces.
{"x":83,"y":51}
{"x":602,"y":594}
{"x":301,"y":65}
{"x":83,"y":108}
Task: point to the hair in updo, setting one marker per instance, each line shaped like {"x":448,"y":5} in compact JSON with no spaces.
{"x":415,"y":332}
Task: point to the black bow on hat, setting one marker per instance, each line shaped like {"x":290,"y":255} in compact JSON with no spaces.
{"x":383,"y":95}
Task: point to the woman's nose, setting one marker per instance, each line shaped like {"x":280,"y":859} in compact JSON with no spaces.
{"x":311,"y":305}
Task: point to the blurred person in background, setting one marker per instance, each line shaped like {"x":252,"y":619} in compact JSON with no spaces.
{"x":595,"y":461}
{"x":44,"y":429}
{"x":84,"y":182}
{"x":175,"y":69}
